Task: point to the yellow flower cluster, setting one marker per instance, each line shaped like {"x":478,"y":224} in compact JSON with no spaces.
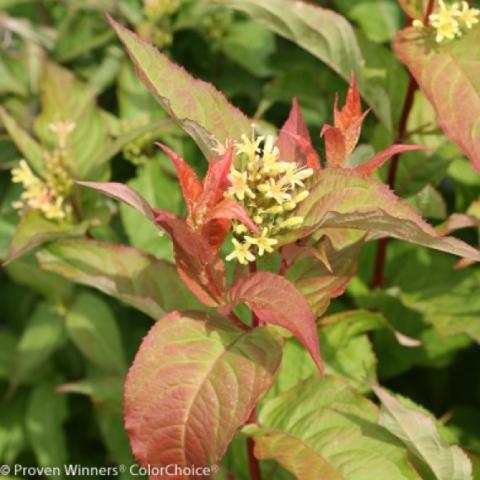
{"x":47,"y":194}
{"x":451,"y":20}
{"x":268,"y":189}
{"x":158,"y":8}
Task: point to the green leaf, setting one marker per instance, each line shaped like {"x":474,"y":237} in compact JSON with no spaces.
{"x":419,"y":433}
{"x":8,"y":347}
{"x":429,"y":203}
{"x":379,"y":19}
{"x":449,"y":303}
{"x":33,"y":230}
{"x":132,"y":276}
{"x":43,"y":334}
{"x":106,"y":395}
{"x":25,"y":271}
{"x":250,"y":45}
{"x":195,"y":403}
{"x":44,"y":419}
{"x":159,"y":190}
{"x":196,"y":106}
{"x":12,"y":428}
{"x":329,"y":37}
{"x":324,"y":429}
{"x":435,"y":351}
{"x":339,"y":199}
{"x":28,"y":147}
{"x":456,"y":102}
{"x":92,"y":328}
{"x":66,"y":99}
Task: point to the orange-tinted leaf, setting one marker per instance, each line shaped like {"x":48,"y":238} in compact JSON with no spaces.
{"x":449,"y":76}
{"x":231,"y":210}
{"x":350,"y":118}
{"x":335,"y":147}
{"x":197,"y":263}
{"x":374,"y":163}
{"x":193,"y":383}
{"x":190,"y":184}
{"x":294,"y":140}
{"x":324,"y":277}
{"x":216,"y":180}
{"x":275,"y":300}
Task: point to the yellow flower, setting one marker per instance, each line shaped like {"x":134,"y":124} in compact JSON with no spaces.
{"x":24,"y":175}
{"x":239,"y":187}
{"x":62,"y":130}
{"x":301,"y":196}
{"x":467,"y":16}
{"x":55,"y":210}
{"x":444,"y":20}
{"x":268,"y":189}
{"x":270,"y":154}
{"x":263,"y":242}
{"x":295,"y":176}
{"x":291,"y":222}
{"x":275,"y":190}
{"x":248,"y":146}
{"x":241,"y":252}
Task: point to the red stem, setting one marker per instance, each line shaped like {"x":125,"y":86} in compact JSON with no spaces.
{"x":430,"y":7}
{"x":378,"y":274}
{"x":253,"y":464}
{"x":378,"y":277}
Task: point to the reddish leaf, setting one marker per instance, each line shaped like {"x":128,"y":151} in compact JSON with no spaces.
{"x":449,"y":76}
{"x":350,"y":118}
{"x":335,"y":147}
{"x":294,"y":140}
{"x":191,"y":186}
{"x":216,"y":181}
{"x":125,"y":194}
{"x":231,"y":210}
{"x":193,"y":383}
{"x":322,"y":278}
{"x":370,"y":166}
{"x":275,"y":300}
{"x":197,"y":264}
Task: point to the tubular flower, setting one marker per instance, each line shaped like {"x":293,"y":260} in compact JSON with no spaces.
{"x":241,"y":252}
{"x":268,"y":189}
{"x":467,"y":16}
{"x":47,"y":194}
{"x":451,"y":20}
